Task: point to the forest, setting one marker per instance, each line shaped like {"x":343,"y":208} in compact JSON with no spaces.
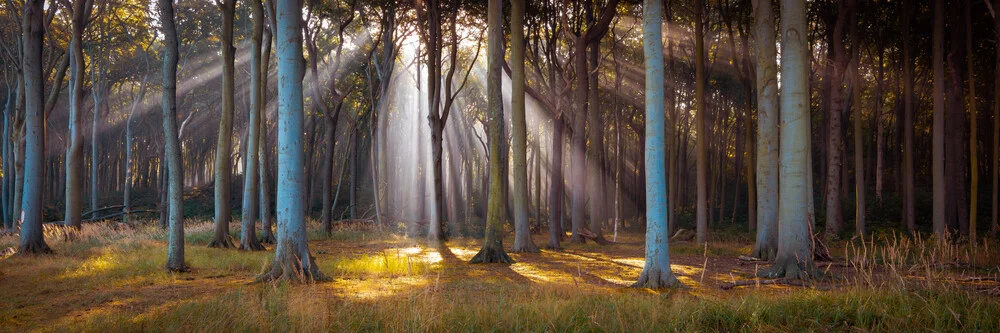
{"x":500,"y":165}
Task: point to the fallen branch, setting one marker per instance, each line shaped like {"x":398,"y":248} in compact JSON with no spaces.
{"x":750,"y":259}
{"x":108,"y":217}
{"x":978,"y":279}
{"x":92,"y":212}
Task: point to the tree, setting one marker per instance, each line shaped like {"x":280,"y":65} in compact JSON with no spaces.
{"x":74,"y":151}
{"x":795,"y":256}
{"x":32,"y":236}
{"x":248,"y":233}
{"x":266,"y":214}
{"x":656,"y":272}
{"x":292,"y":259}
{"x":973,"y":114}
{"x":995,"y":227}
{"x":224,"y":142}
{"x":937,"y":162}
{"x":578,"y":158}
{"x":835,"y":141}
{"x":172,"y":151}
{"x":859,"y":158}
{"x":492,"y":251}
{"x":522,"y":230}
{"x":701,"y":156}
{"x":908,"y":208}
{"x":767,"y":127}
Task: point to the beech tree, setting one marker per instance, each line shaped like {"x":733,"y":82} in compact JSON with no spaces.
{"x":767,"y":127}
{"x":224,"y":140}
{"x":493,"y":251}
{"x":172,"y":149}
{"x":32,"y":236}
{"x":522,"y":230}
{"x":656,"y":273}
{"x":292,"y":259}
{"x":794,"y":258}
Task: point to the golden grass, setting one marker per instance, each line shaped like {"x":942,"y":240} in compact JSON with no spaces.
{"x":113,"y":280}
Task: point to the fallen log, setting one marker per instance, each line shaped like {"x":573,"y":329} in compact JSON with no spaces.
{"x":92,"y":212}
{"x":108,"y":217}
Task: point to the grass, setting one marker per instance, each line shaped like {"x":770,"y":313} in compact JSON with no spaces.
{"x":113,"y":280}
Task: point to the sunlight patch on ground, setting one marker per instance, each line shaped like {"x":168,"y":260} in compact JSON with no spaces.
{"x":93,"y":266}
{"x":374,"y":289}
{"x":538,"y":275}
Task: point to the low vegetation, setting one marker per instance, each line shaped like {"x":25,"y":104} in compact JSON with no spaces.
{"x":112,"y":279}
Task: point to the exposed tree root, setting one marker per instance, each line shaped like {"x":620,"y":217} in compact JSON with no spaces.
{"x":553,"y":247}
{"x":226,"y":242}
{"x":764,"y":253}
{"x":657,"y":279}
{"x":34,"y":247}
{"x":181,"y":268}
{"x":528,"y":247}
{"x":251,"y":245}
{"x":292,"y":270}
{"x":268,"y":238}
{"x":790,"y":268}
{"x":491,"y":254}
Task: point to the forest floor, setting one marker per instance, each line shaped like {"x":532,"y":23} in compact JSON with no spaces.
{"x":113,"y":280}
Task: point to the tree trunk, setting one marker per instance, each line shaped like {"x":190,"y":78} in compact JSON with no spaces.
{"x":938,"y":146}
{"x":175,"y":247}
{"x":834,"y":218}
{"x":556,"y":184}
{"x":973,"y":114}
{"x":292,"y":260}
{"x":795,"y":256}
{"x":701,"y":156}
{"x":492,"y":251}
{"x":248,"y":232}
{"x":578,"y":145}
{"x":32,"y":235}
{"x":74,"y":151}
{"x":224,"y":142}
{"x":656,"y":272}
{"x":859,"y":159}
{"x":522,"y":230}
{"x":127,"y":190}
{"x":995,"y":227}
{"x":908,"y":189}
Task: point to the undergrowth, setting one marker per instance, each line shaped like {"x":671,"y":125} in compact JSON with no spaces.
{"x":108,"y":278}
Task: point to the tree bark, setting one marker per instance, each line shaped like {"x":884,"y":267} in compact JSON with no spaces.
{"x":224,"y":141}
{"x":522,"y":230}
{"x":973,"y":114}
{"x":175,"y":179}
{"x":292,"y":259}
{"x":795,"y":256}
{"x":995,"y":227}
{"x":656,"y":272}
{"x":492,"y":251}
{"x":32,"y":235}
{"x":937,"y":161}
{"x":701,"y":156}
{"x":767,"y":126}
{"x":74,"y":151}
{"x":908,"y":203}
{"x":248,"y":232}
